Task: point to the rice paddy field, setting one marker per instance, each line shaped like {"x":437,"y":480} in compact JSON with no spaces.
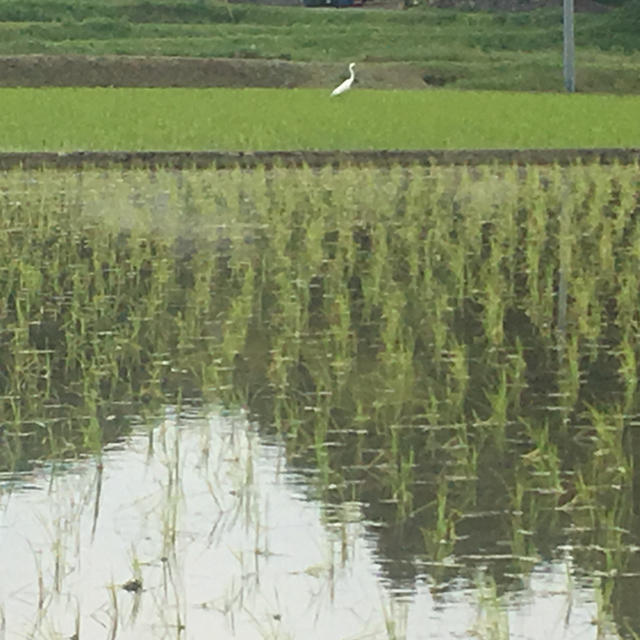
{"x":346,"y":402}
{"x":69,"y":119}
{"x":349,"y":402}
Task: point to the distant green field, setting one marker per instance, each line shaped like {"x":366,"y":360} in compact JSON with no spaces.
{"x":470,"y":49}
{"x":207,"y":28}
{"x":269,"y":119}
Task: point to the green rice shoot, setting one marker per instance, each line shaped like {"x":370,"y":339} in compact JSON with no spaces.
{"x":64,"y":119}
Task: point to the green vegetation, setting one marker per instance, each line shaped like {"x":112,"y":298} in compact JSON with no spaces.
{"x":479,"y":50}
{"x":377,"y":285}
{"x":258,"y":119}
{"x":299,"y":30}
{"x":400,"y":329}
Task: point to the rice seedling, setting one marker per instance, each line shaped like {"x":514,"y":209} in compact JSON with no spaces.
{"x":263,"y":119}
{"x":493,"y":622}
{"x":413,"y":363}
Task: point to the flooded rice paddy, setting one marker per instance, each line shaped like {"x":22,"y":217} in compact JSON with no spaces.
{"x":347,"y":403}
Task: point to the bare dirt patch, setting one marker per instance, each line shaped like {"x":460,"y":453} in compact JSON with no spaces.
{"x":144,"y":71}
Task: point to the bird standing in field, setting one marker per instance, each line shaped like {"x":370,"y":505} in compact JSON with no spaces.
{"x":346,"y":85}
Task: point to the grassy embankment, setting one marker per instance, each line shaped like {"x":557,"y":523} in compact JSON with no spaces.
{"x":471,"y":50}
{"x":259,"y":119}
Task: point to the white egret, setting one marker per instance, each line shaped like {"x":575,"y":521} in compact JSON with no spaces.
{"x":346,"y":85}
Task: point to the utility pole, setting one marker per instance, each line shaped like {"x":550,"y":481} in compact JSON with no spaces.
{"x":568,"y":54}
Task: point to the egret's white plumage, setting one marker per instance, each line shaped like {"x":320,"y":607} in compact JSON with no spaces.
{"x":346,"y":85}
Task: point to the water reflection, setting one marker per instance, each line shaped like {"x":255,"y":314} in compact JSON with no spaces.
{"x":445,"y":361}
{"x":224,"y":541}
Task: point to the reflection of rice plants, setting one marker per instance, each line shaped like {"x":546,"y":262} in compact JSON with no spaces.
{"x":398,"y":326}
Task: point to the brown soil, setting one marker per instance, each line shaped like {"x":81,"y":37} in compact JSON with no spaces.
{"x":142,"y":71}
{"x":314,"y":159}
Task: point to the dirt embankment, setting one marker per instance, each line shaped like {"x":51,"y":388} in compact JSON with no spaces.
{"x":143,"y":71}
{"x":313,"y":159}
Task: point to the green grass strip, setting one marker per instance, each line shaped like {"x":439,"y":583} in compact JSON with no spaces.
{"x":263,"y":119}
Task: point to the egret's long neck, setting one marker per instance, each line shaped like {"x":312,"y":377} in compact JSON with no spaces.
{"x":353,"y":72}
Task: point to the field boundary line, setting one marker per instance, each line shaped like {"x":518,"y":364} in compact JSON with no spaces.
{"x":314,"y":159}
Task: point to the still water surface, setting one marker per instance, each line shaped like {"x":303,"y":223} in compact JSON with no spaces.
{"x":439,"y":369}
{"x":227,"y":542}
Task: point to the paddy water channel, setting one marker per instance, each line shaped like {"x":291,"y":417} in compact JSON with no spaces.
{"x":337,"y":403}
